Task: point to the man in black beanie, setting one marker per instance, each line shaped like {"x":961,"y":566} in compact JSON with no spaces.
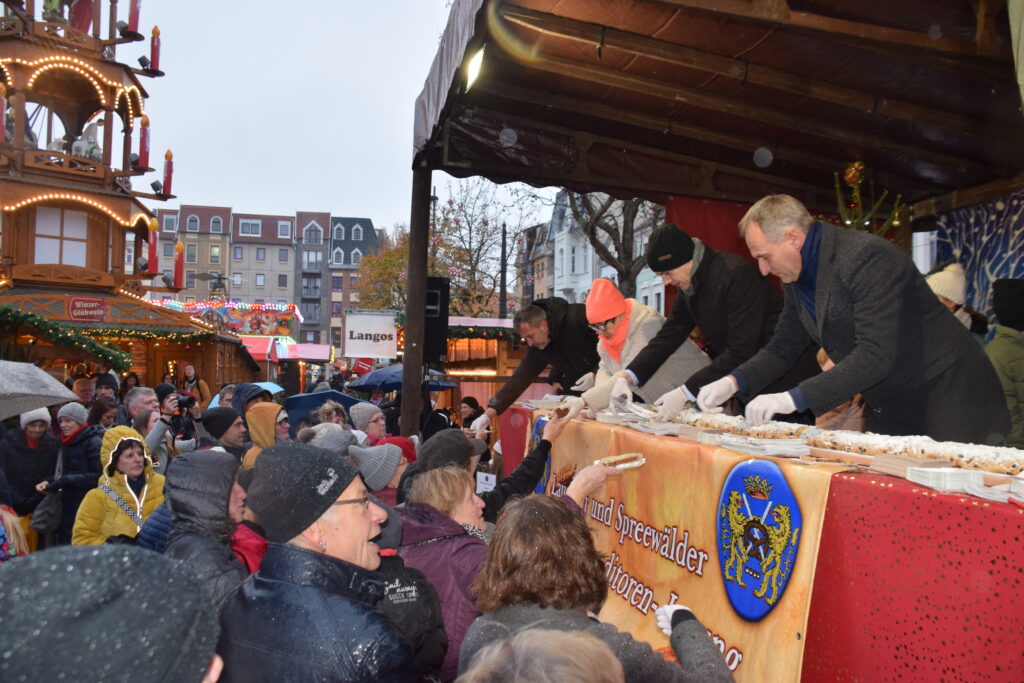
{"x":226,"y":428}
{"x":1006,"y":351}
{"x":105,"y":613}
{"x":724,"y":295}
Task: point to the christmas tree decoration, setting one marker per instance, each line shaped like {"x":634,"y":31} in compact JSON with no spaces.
{"x":852,"y":210}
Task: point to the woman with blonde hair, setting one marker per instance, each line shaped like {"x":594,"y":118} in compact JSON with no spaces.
{"x":332,"y":411}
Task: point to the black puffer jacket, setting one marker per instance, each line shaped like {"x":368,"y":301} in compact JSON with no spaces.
{"x":81,"y":473}
{"x":197,"y":490}
{"x":305,"y":616}
{"x":571,"y":352}
{"x":25,"y":467}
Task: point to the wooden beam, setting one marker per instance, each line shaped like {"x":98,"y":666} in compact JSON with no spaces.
{"x":718,"y":103}
{"x":415,"y":303}
{"x":968,"y":196}
{"x":778,"y":12}
{"x":737,"y":69}
{"x":681,"y":129}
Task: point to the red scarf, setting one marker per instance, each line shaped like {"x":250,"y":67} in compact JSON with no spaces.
{"x":32,"y":443}
{"x":70,"y":439}
{"x":614,"y":345}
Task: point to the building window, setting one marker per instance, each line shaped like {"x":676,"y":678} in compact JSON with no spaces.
{"x":284,"y":230}
{"x":310,"y":311}
{"x":657,"y":302}
{"x":249,"y":227}
{"x":282,"y":256}
{"x":190,"y":279}
{"x":646,"y":300}
{"x":312,"y":235}
{"x":216,"y":225}
{"x":336,"y":309}
{"x":192,"y":224}
{"x":357,"y":257}
{"x":310,"y":286}
{"x":236,"y":279}
{"x":170,"y":223}
{"x":336,"y":336}
{"x":312,"y":259}
{"x":169,"y":249}
{"x":261,"y":254}
{"x":561,"y":261}
{"x":282,"y":280}
{"x":357,"y":233}
{"x":311,"y":337}
{"x":339,"y":232}
{"x":238,"y":253}
{"x":129,"y":256}
{"x":572,"y":258}
{"x":338,"y":257}
{"x":189,"y":299}
{"x":258,"y":302}
{"x":190,"y":253}
{"x":336,"y":283}
{"x":261,"y":279}
{"x":282,"y":303}
{"x":214,"y":253}
{"x":215,"y":281}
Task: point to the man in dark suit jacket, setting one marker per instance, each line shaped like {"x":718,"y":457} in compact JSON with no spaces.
{"x":558,"y":335}
{"x":863,"y":300}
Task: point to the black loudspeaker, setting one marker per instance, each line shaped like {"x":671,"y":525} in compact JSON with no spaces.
{"x":435,"y":342}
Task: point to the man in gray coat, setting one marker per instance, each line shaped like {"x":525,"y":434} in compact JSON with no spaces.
{"x":863,"y":300}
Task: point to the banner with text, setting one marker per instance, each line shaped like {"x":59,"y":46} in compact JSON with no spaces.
{"x":732,"y":536}
{"x":370,"y":335}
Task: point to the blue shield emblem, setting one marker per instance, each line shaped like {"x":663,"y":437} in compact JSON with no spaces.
{"x":759,"y":524}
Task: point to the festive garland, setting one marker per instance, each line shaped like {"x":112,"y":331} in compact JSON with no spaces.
{"x":163,"y":334}
{"x":58,"y":334}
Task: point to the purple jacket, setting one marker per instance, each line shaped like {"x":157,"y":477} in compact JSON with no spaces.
{"x":450,"y":558}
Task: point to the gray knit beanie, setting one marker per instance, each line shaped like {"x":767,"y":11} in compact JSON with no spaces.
{"x":361,"y":414}
{"x":377,"y":464}
{"x":75,"y":411}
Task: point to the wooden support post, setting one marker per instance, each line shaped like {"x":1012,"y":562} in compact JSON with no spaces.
{"x":415,"y":303}
{"x":108,"y":135}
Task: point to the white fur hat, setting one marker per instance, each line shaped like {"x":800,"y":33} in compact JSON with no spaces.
{"x":950,"y":282}
{"x":37,"y":415}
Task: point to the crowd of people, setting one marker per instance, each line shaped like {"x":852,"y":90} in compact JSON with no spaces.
{"x":156,"y":534}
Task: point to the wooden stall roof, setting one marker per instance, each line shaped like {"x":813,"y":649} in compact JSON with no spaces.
{"x":688,"y":97}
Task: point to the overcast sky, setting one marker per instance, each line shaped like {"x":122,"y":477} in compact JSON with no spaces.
{"x":275,"y":107}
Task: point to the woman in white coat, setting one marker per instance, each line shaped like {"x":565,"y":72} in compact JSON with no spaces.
{"x":624,"y":326}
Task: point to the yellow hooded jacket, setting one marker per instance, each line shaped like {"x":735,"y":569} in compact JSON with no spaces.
{"x":261,"y":419}
{"x":99,"y":517}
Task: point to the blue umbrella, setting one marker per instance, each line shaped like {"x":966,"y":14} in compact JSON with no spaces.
{"x":269,"y":386}
{"x":301,"y":405}
{"x":389,"y":378}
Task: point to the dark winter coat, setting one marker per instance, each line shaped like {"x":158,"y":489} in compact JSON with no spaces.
{"x":305,"y":616}
{"x":154,"y":532}
{"x":1006,"y":351}
{"x":571,"y":352}
{"x":81,"y":473}
{"x":736,"y":310}
{"x":450,"y":558}
{"x":411,"y":603}
{"x":918,"y":368}
{"x":690,"y":642}
{"x":521,"y":482}
{"x":25,"y":467}
{"x":197,"y":490}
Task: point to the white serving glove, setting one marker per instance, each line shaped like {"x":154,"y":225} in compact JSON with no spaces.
{"x":583,"y":383}
{"x":762,"y":408}
{"x":575,"y":404}
{"x":713,"y":395}
{"x":482,"y":422}
{"x":671,"y":404}
{"x":663,"y":615}
{"x":622,"y":393}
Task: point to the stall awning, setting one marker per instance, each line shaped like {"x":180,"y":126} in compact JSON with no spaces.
{"x":316,"y":353}
{"x":261,"y":348}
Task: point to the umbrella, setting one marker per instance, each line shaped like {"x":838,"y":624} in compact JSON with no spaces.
{"x":389,"y":378}
{"x":269,"y":386}
{"x":25,"y":387}
{"x":301,"y":405}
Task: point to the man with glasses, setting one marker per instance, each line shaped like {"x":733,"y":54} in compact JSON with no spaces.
{"x":558,"y":335}
{"x":724,"y":296}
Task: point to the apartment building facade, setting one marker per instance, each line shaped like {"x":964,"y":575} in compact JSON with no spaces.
{"x":351,"y":239}
{"x":262,"y":256}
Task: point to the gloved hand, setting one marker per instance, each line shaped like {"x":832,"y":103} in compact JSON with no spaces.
{"x":761,"y":409}
{"x":575,"y":404}
{"x":671,"y":404}
{"x":481,"y":422}
{"x":622,"y":393}
{"x":712,"y":396}
{"x":663,"y":615}
{"x":583,"y":383}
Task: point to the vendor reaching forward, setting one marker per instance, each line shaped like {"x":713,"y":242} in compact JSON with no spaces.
{"x":624,"y":326}
{"x":863,"y":300}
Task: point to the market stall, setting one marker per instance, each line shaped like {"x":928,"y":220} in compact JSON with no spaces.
{"x":846,"y":575}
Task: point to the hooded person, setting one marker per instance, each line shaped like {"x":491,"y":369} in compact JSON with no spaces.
{"x":268,"y":424}
{"x":80,"y":453}
{"x":128,"y":493}
{"x":205,"y":507}
{"x":123,"y":614}
{"x":1006,"y":351}
{"x":246,"y":394}
{"x":310,"y":612}
{"x":624,"y":327}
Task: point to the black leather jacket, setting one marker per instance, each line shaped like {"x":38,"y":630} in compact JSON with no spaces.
{"x":305,"y":616}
